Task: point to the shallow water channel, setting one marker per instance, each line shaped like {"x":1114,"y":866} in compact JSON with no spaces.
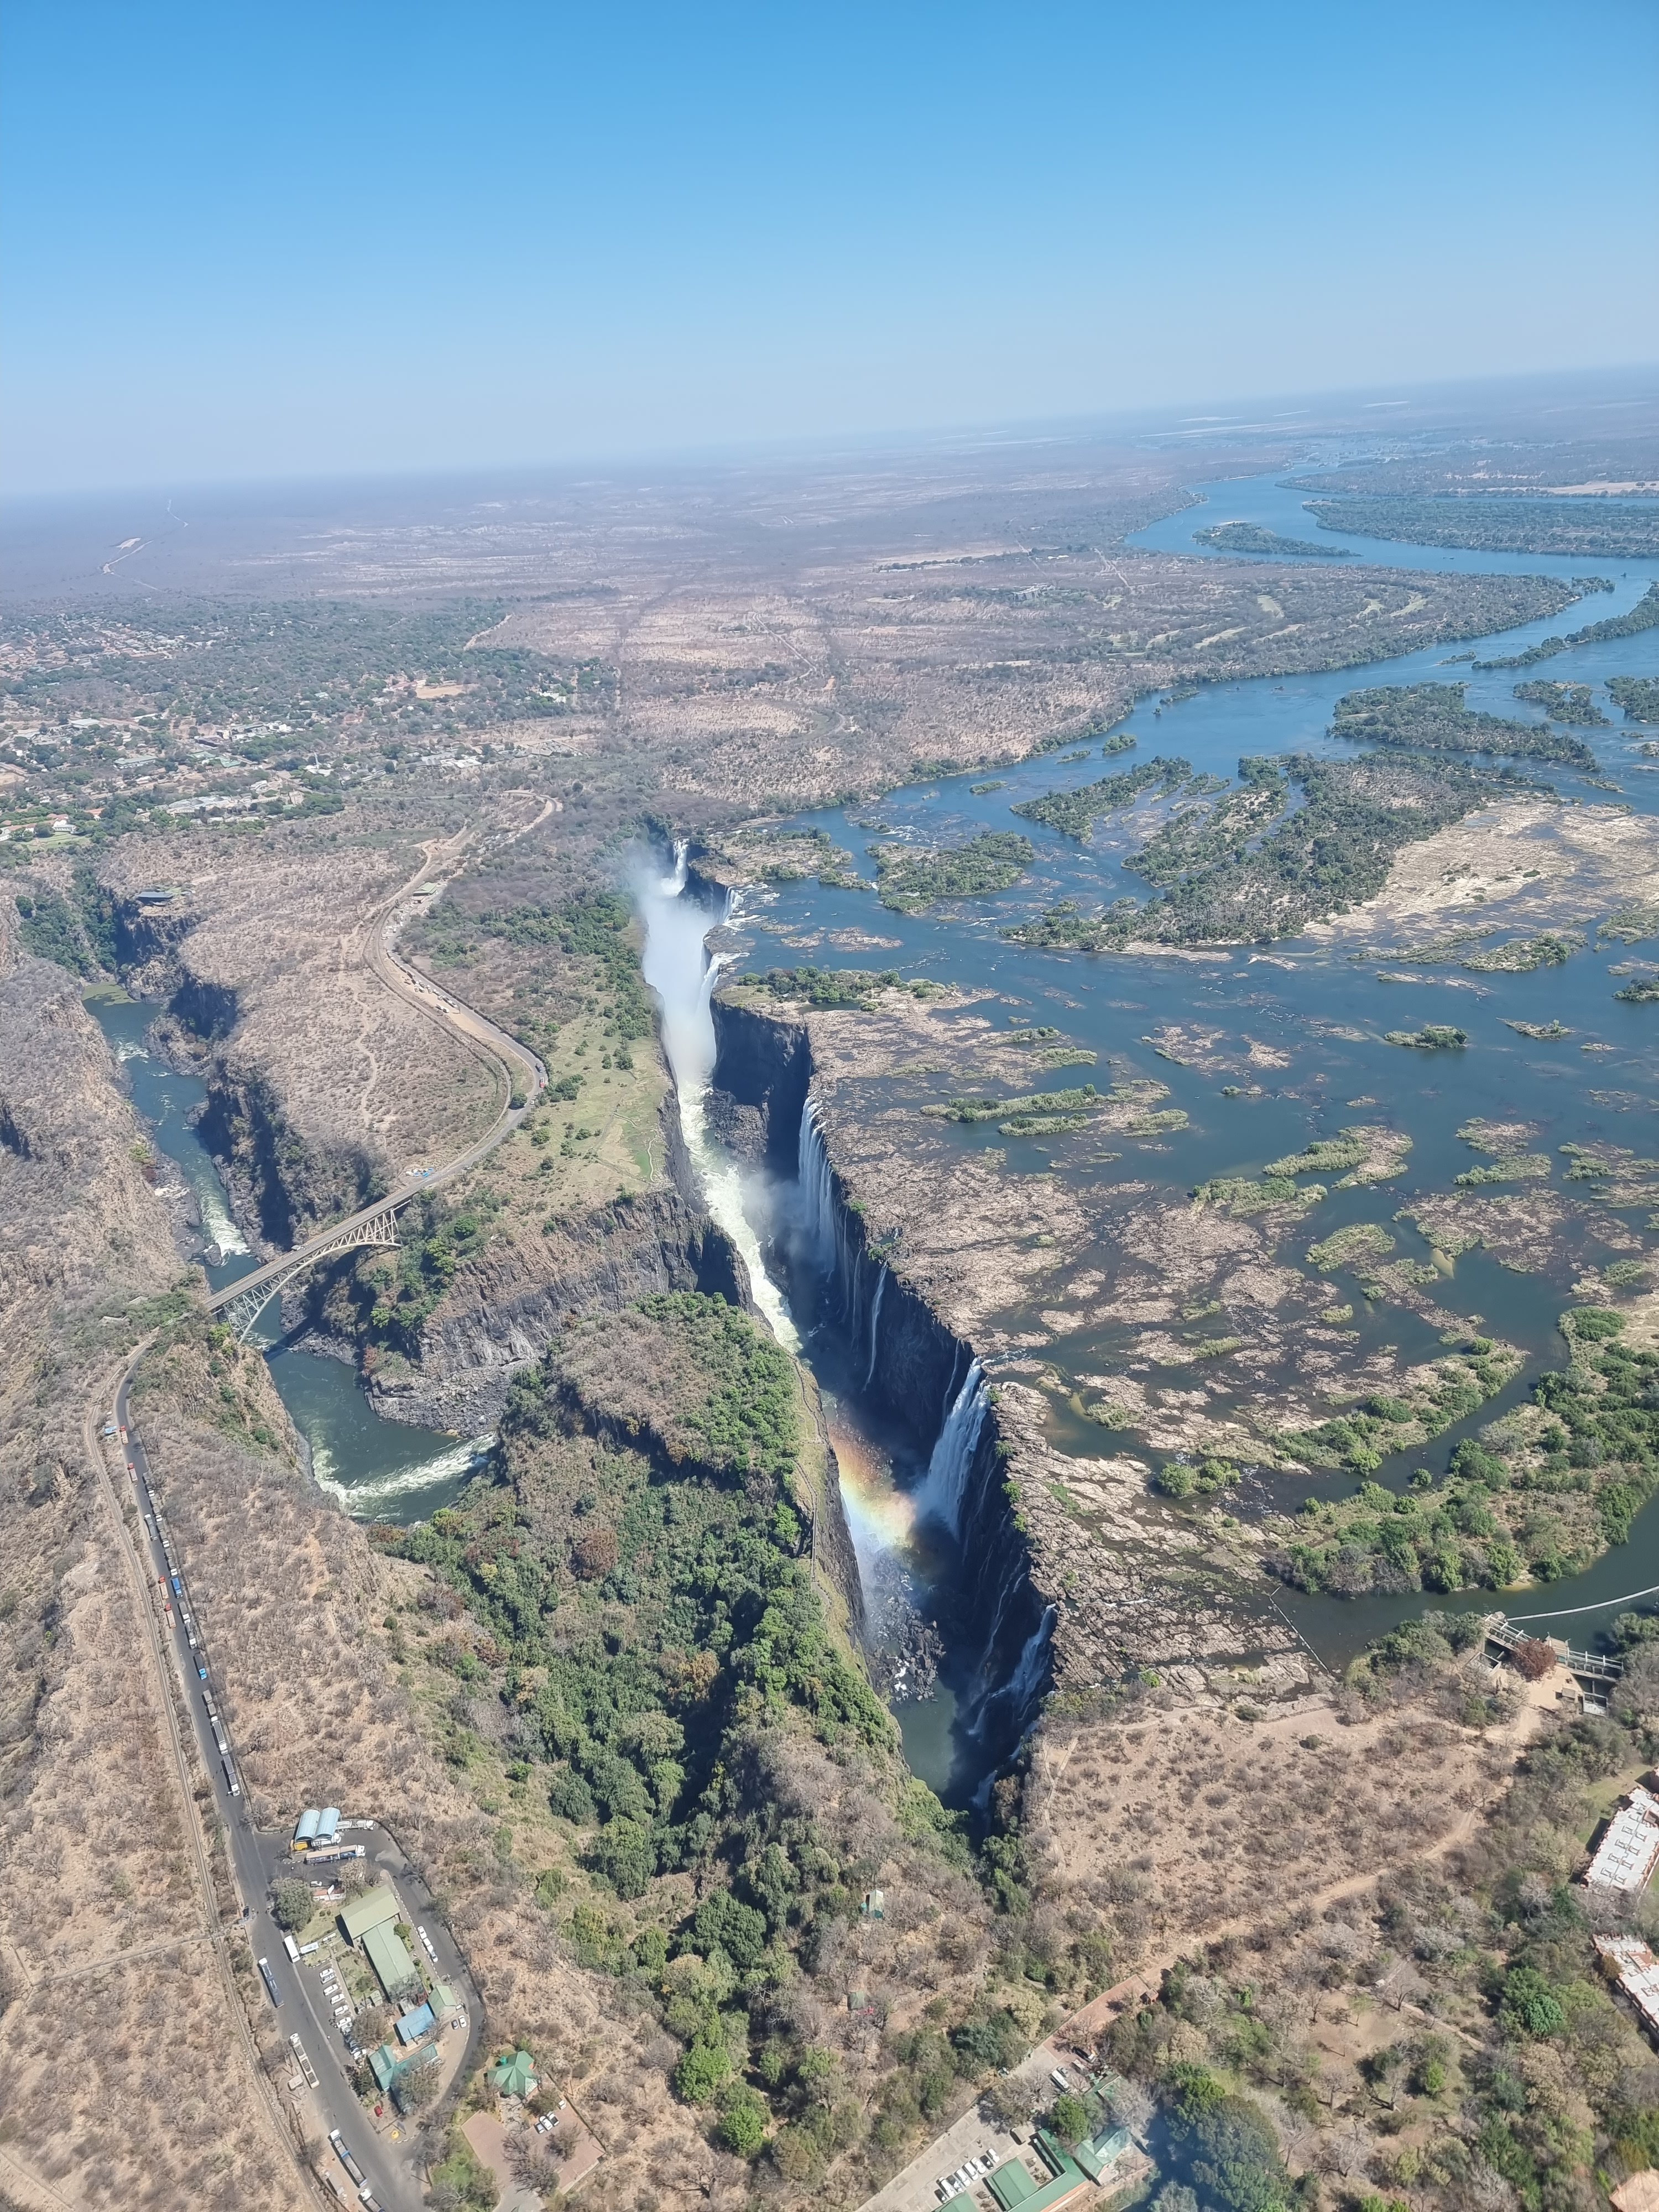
{"x":1325,"y":1012}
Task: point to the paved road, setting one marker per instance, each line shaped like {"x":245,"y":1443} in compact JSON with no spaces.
{"x":520,"y":1067}
{"x":255,"y":1858}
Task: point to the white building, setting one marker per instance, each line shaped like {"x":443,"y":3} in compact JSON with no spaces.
{"x":1626,"y":1856}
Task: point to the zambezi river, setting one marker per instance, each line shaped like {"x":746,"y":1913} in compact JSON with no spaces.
{"x":1326,"y":1011}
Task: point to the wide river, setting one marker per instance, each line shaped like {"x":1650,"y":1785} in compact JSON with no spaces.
{"x":1327,"y":1013}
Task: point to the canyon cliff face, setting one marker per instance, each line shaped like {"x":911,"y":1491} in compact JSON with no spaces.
{"x":506,"y":1305}
{"x":761,"y":1080}
{"x":920,"y":1370}
{"x":1081,"y":1577}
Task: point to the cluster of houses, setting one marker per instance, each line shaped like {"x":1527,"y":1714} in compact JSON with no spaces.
{"x":375,"y":1926}
{"x":1623,"y":1864}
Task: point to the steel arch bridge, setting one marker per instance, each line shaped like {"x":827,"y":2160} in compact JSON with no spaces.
{"x":239,"y":1305}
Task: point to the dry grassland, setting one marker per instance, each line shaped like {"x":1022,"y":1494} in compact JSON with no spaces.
{"x":852,"y":672}
{"x":1224,"y":1818}
{"x":1526,"y":865}
{"x":323,"y":1702}
{"x":108,"y":1983}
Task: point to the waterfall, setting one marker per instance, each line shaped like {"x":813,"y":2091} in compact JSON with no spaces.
{"x":1025,"y":1685}
{"x":952,"y":1460}
{"x":951,"y":1387}
{"x":818,"y":1191}
{"x":875,"y":1315}
{"x":680,"y":970}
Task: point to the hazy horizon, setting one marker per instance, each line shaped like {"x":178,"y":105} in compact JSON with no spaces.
{"x":1436,"y":408}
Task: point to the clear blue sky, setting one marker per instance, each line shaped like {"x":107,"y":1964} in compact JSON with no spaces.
{"x":248,"y":241}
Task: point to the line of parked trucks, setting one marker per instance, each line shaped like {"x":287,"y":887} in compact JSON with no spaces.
{"x":172,"y":1588}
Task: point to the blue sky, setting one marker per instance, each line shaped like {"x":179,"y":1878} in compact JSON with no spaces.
{"x":303,"y":238}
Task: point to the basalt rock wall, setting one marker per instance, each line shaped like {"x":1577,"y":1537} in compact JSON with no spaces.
{"x":507,"y":1305}
{"x":282,"y":1188}
{"x":762,"y":1070}
{"x":147,"y":938}
{"x":915,"y":1364}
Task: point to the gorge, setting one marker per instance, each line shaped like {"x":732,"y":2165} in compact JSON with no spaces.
{"x":934,"y":1533}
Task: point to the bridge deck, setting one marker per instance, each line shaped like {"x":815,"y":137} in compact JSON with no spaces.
{"x":1590,"y":1665}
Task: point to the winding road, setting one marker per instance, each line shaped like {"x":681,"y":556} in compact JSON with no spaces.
{"x":520,"y":1074}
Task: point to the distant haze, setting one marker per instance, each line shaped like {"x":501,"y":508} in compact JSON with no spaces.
{"x":308,"y":239}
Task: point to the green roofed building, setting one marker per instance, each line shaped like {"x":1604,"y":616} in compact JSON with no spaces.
{"x":394,"y":1969}
{"x":1011,"y":2184}
{"x":514,"y":2074}
{"x":375,"y":1908}
{"x":1016,"y":2189}
{"x":1102,"y":2151}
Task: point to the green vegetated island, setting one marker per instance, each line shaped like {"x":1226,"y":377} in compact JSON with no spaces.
{"x":1562,"y":702}
{"x":1644,"y":616}
{"x":1253,"y":866}
{"x":1500,"y":523}
{"x":1075,"y":812}
{"x":1638,"y":695}
{"x":1251,"y":538}
{"x":1545,"y":1490}
{"x":1433,"y":718}
{"x":911,"y":876}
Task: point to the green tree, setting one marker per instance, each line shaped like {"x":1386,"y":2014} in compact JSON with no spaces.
{"x":625,"y":1853}
{"x":702,"y":2072}
{"x":742,"y":2124}
{"x":1068,"y":2118}
{"x":725,"y":1922}
{"x":1529,"y":2006}
{"x":292,"y":1904}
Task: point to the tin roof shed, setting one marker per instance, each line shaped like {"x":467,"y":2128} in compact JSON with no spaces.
{"x":414,"y":2024}
{"x":306,"y":1830}
{"x":328,"y":1824}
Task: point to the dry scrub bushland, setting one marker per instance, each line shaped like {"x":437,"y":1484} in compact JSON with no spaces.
{"x":105,"y":1975}
{"x":325,"y":1086}
{"x":703,"y":1778}
{"x":1421,"y":2010}
{"x":330,"y":1697}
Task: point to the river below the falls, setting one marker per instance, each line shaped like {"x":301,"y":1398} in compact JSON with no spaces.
{"x":376,"y":1469}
